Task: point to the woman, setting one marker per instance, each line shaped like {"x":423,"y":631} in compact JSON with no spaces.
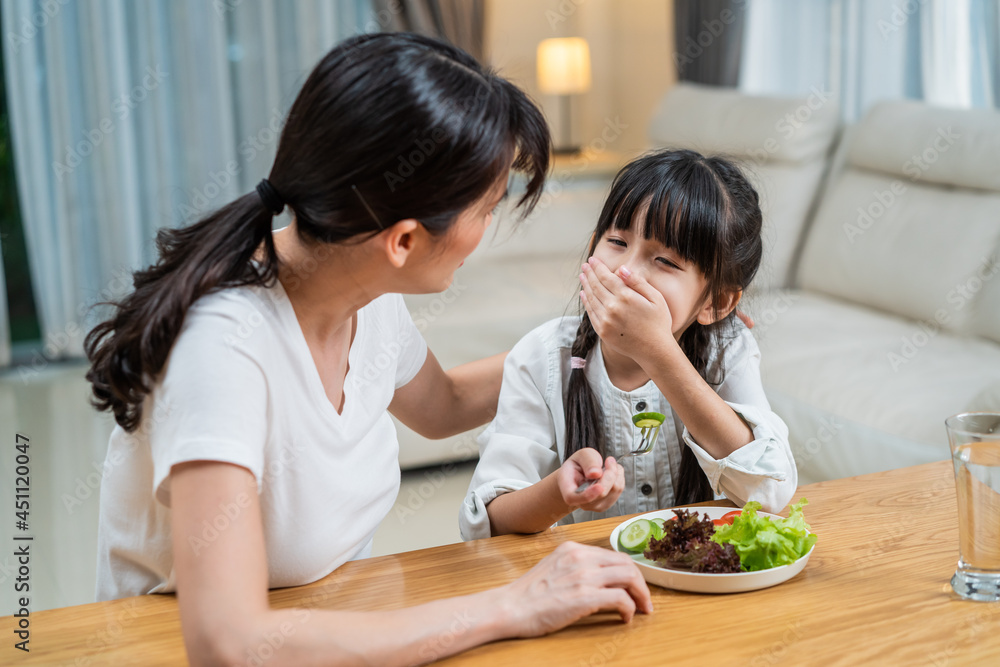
{"x":250,"y":371}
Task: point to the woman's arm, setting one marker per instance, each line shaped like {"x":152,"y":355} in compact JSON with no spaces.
{"x":222,"y":592}
{"x":437,"y":404}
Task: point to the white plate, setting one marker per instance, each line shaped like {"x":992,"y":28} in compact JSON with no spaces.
{"x":700,"y":582}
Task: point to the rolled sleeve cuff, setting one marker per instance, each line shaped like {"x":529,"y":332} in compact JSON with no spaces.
{"x":474,"y":521}
{"x":751,"y":466}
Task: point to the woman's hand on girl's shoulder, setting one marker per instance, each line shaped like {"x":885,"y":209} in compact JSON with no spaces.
{"x":583,"y":465}
{"x":570,"y":583}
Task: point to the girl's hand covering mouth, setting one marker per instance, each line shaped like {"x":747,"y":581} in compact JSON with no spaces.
{"x":628,"y":314}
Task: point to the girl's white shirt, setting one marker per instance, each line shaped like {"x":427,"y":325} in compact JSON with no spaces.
{"x":526,"y":440}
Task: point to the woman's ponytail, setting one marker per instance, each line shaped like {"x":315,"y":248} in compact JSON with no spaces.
{"x":128,"y":351}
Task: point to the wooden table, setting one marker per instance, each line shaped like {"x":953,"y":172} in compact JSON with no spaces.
{"x":875,"y":592}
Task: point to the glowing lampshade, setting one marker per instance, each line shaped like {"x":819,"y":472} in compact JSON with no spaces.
{"x":563,"y":66}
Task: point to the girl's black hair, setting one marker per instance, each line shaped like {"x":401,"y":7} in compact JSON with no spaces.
{"x":707,"y":211}
{"x":387,"y":127}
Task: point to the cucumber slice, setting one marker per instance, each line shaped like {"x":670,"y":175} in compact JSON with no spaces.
{"x":648,"y":419}
{"x":635,"y":536}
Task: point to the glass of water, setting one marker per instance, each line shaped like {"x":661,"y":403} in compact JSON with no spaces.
{"x":975,"y":452}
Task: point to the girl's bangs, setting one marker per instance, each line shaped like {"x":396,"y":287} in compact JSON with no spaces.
{"x":689,"y":228}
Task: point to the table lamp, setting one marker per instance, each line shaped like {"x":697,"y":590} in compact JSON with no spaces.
{"x":564,"y":70}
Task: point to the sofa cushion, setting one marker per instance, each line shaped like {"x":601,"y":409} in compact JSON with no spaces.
{"x":783,"y":143}
{"x":766,"y":129}
{"x":862,"y":390}
{"x":910,"y":224}
{"x":907,"y":248}
{"x":932,"y":144}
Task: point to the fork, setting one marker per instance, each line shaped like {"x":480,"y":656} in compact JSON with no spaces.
{"x":647,"y":439}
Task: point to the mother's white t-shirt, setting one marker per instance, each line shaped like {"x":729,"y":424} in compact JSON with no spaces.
{"x":240,"y":386}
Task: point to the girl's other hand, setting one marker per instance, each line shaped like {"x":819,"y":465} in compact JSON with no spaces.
{"x":572,"y":582}
{"x":585,"y":464}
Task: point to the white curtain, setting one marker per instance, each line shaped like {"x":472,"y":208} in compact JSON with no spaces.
{"x":128,"y":116}
{"x":941,"y":51}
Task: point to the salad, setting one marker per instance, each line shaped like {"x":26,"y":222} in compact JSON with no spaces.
{"x":741,"y":541}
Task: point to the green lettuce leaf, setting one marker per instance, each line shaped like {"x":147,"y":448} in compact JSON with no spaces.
{"x":762,"y":542}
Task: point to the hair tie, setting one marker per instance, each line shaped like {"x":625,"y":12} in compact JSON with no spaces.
{"x":577,"y":362}
{"x":270,"y":197}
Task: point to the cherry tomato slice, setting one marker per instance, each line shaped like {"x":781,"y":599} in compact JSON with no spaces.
{"x":727,"y":518}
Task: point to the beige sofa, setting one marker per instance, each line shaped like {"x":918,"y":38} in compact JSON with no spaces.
{"x":878,"y":300}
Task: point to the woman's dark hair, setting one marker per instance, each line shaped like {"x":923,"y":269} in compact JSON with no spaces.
{"x":706,"y":210}
{"x":387,"y":127}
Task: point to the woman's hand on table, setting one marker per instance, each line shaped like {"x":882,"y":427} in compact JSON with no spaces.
{"x":572,"y":582}
{"x":586,"y":464}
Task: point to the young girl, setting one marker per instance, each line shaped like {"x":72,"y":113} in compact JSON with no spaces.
{"x":676,"y":244}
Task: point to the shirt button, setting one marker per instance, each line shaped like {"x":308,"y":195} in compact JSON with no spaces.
{"x":646,"y":489}
{"x":640,"y":406}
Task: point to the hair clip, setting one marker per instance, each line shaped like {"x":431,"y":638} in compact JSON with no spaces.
{"x":577,"y":362}
{"x":367,"y":207}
